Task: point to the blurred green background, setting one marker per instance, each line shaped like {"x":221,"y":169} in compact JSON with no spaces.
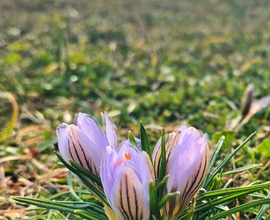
{"x":155,"y":61}
{"x":166,"y":63}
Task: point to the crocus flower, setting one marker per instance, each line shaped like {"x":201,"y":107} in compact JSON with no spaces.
{"x":125,"y":177}
{"x":187,"y":156}
{"x":85,"y":141}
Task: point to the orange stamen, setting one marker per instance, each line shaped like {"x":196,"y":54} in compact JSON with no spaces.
{"x":80,"y":127}
{"x":125,"y":158}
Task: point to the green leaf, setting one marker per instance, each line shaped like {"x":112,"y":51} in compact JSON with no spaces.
{"x":240,"y":208}
{"x":227,"y":159}
{"x":214,"y":157}
{"x":162,"y":166}
{"x":229,"y":137}
{"x":153,"y":200}
{"x":89,"y":216}
{"x":145,"y":141}
{"x":166,"y":198}
{"x":242,"y":169}
{"x":85,"y":172}
{"x":94,"y":211}
{"x":131,"y":139}
{"x":58,"y":205}
{"x":263,"y":209}
{"x":229,"y":195}
{"x":162,"y":182}
{"x":247,"y":189}
{"x":69,"y":178}
{"x":264,"y":148}
{"x":87,"y":182}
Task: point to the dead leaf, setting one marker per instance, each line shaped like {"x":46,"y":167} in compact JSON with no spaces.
{"x":248,"y":63}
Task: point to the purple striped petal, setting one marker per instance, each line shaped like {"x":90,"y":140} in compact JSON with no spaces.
{"x":187,"y":156}
{"x":84,"y":143}
{"x":125,"y":176}
{"x":91,"y":127}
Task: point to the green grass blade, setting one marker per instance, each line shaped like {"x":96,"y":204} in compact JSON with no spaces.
{"x":214,"y":157}
{"x":87,"y":182}
{"x":89,"y":216}
{"x":69,"y":180}
{"x":263,"y":209}
{"x":240,"y":208}
{"x":85,"y":172}
{"x":145,"y":141}
{"x":227,"y":159}
{"x":162,"y":169}
{"x":235,"y":193}
{"x":132,"y":140}
{"x":61,"y":206}
{"x":242,"y":169}
{"x":228,"y":191}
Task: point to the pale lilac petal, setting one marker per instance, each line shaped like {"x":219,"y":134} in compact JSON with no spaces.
{"x":62,"y":136}
{"x":84,"y":151}
{"x":138,"y":142}
{"x":189,"y":159}
{"x":125,"y":176}
{"x":187,"y":156}
{"x":129,"y":194}
{"x":111,"y":132}
{"x":91,"y":127}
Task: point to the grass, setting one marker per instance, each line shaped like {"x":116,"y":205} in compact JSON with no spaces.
{"x":165,"y":63}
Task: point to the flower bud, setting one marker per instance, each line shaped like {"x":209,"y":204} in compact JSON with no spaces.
{"x":125,"y":177}
{"x":187,"y":157}
{"x":85,"y":141}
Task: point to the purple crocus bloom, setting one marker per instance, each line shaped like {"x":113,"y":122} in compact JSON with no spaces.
{"x":85,"y":141}
{"x":125,"y":177}
{"x":187,"y":156}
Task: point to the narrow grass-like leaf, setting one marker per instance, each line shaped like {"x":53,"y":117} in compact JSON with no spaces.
{"x":166,"y":198}
{"x":240,"y":208}
{"x":153,"y":200}
{"x":145,"y":141}
{"x":162,"y":182}
{"x":131,"y":139}
{"x":235,"y":193}
{"x":221,"y":192}
{"x":66,"y":206}
{"x":242,"y":169}
{"x":61,"y":206}
{"x":162,"y":166}
{"x":69,"y":180}
{"x":227,"y":159}
{"x":214,"y":155}
{"x":263,"y":209}
{"x":85,"y":172}
{"x":89,"y":216}
{"x":85,"y":181}
{"x":64,"y":193}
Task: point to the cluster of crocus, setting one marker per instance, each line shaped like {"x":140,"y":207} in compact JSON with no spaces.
{"x":126,"y":172}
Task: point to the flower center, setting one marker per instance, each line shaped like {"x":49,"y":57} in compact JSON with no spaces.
{"x":125,"y":157}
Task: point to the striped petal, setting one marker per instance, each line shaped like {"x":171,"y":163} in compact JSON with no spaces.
{"x":91,"y":127}
{"x":187,"y":150}
{"x":129,"y":198}
{"x":83,"y":151}
{"x":125,"y":176}
{"x":84,"y":143}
